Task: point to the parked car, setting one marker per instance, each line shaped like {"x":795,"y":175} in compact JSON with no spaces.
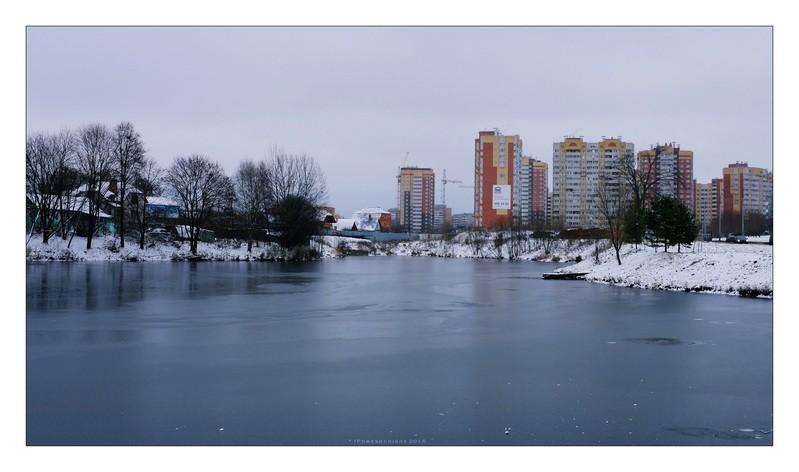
{"x":736,"y":238}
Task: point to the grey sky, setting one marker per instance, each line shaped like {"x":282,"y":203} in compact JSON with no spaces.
{"x":357,"y":99}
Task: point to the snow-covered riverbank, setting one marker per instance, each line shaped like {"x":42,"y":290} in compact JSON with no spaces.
{"x":736,"y":269}
{"x":710,"y":267}
{"x":106,"y":248}
{"x":707,"y":267}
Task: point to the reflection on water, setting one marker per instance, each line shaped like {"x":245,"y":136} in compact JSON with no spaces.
{"x":397,"y":349}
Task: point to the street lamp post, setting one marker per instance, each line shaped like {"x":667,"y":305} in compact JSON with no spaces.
{"x":743,"y":233}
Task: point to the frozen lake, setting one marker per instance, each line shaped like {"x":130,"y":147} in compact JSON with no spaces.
{"x":386,"y":350}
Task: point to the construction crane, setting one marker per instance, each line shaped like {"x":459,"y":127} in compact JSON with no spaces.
{"x":404,"y":162}
{"x":399,"y":174}
{"x":444,"y":182}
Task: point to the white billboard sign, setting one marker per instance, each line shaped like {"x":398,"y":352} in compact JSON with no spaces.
{"x":501,"y":195}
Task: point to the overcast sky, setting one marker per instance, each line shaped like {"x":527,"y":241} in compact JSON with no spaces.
{"x":358,"y":99}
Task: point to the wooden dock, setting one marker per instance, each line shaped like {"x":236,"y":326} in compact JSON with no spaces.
{"x":565,"y":275}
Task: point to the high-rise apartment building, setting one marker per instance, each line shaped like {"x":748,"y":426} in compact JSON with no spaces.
{"x":462,"y":221}
{"x":751,"y":187}
{"x":671,"y":169}
{"x":580,"y":170}
{"x":532,"y":190}
{"x":496,"y":166}
{"x":416,"y":193}
{"x":443,"y":217}
{"x":708,"y":201}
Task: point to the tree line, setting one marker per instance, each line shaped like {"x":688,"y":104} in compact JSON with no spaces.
{"x":629,"y":208}
{"x":75,"y":179}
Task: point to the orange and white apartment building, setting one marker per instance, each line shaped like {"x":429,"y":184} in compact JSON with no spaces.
{"x":496,"y":163}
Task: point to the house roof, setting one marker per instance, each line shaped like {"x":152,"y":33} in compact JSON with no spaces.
{"x":366,"y":225}
{"x":369,"y":218}
{"x":104,"y":188}
{"x":345,"y":224}
{"x":162,"y":201}
{"x":372,"y":210}
{"x":76,"y":204}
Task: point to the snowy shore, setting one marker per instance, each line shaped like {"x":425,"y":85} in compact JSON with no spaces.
{"x":706,"y":267}
{"x":106,"y":248}
{"x":709,"y":267}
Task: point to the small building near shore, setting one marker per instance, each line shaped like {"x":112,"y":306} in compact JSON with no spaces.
{"x":163,"y":206}
{"x":373,"y":219}
{"x":346,"y":224}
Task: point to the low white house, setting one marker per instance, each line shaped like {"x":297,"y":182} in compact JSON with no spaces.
{"x":346,"y":224}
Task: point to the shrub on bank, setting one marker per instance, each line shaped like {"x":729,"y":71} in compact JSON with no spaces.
{"x":303,"y":254}
{"x":752,"y":292}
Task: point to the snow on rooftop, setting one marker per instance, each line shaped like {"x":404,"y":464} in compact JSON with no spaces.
{"x":162,"y":201}
{"x":372,"y":211}
{"x":344,"y":224}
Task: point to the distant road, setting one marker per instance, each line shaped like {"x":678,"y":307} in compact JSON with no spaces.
{"x":749,"y":239}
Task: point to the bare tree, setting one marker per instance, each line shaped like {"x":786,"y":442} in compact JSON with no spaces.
{"x":544,"y":240}
{"x":477,"y":238}
{"x":48,"y":162}
{"x":612,"y":207}
{"x":147,"y":181}
{"x":295,"y":175}
{"x":518,"y":241}
{"x":69,"y":203}
{"x":253,"y":196}
{"x":128,"y":157}
{"x":202,"y":187}
{"x":95,"y":151}
{"x":296,"y":185}
{"x":640,"y":184}
{"x":37,"y":173}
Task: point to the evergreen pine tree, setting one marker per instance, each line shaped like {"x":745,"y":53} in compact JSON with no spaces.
{"x":671,"y":222}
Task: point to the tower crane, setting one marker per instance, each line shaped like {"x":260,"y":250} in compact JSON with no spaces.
{"x":399,"y":174}
{"x":404,"y":162}
{"x":444,"y":182}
